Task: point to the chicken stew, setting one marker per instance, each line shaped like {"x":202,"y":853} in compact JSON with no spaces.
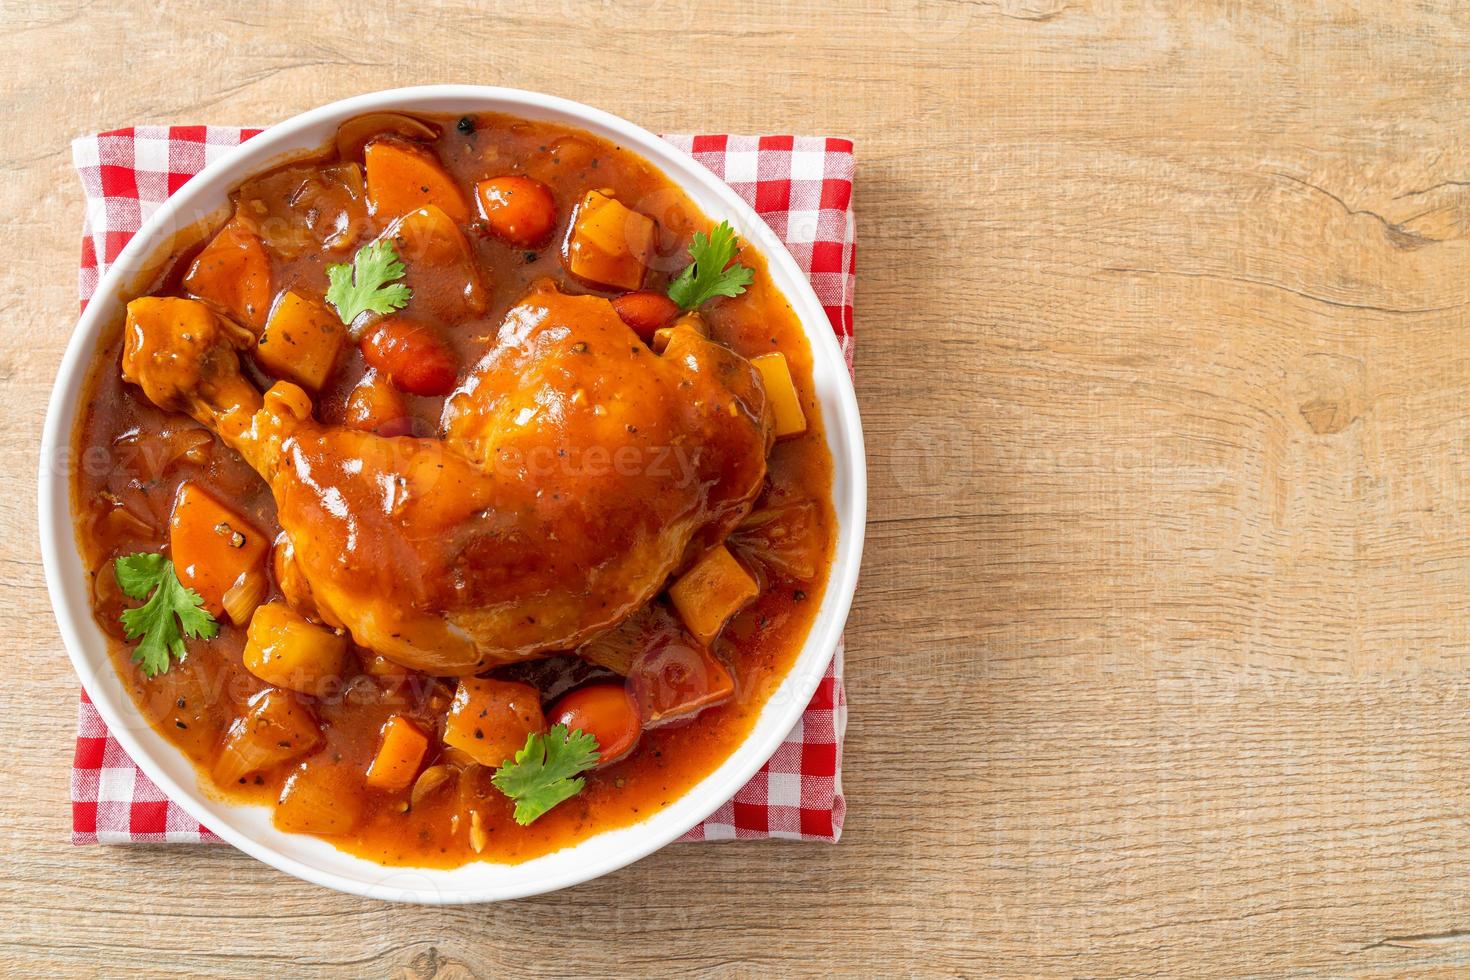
{"x":463,"y":495}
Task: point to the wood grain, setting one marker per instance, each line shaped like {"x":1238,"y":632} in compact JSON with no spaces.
{"x":1159,"y":663}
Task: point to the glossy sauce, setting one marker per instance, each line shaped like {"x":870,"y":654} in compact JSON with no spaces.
{"x":132,"y":457}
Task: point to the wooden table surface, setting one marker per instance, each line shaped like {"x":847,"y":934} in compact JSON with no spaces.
{"x":1159,"y":660}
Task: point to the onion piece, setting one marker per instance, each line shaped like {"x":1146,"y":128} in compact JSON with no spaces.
{"x":274,"y":728}
{"x":354,"y":134}
{"x":120,"y":523}
{"x":783,"y":539}
{"x":478,"y":837}
{"x":429,"y":780}
{"x":241,"y":599}
{"x":475,"y":791}
{"x":190,"y":445}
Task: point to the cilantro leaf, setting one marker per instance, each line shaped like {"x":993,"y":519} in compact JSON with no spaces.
{"x":158,"y":621}
{"x":368,"y":283}
{"x":706,"y":277}
{"x":542,"y":774}
{"x":138,"y":574}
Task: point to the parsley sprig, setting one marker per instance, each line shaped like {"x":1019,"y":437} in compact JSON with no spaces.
{"x":368,"y":283}
{"x":543,"y":773}
{"x":159,"y":620}
{"x":707,"y":276}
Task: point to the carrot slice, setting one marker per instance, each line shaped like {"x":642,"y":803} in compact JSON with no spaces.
{"x":211,"y":545}
{"x":518,"y":209}
{"x":646,"y":311}
{"x":441,"y":265}
{"x":402,"y":178}
{"x":375,"y":405}
{"x":399,"y":756}
{"x":234,"y":274}
{"x":413,"y":356}
{"x":604,"y":711}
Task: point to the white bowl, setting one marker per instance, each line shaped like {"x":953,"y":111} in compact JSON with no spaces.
{"x":249,"y":827}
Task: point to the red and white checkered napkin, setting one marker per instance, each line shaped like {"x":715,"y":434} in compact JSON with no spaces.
{"x":801,"y":186}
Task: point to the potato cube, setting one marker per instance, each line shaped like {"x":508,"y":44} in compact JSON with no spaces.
{"x":320,"y":798}
{"x":441,"y":265}
{"x":489,"y":719}
{"x":274,"y":728}
{"x":301,"y":341}
{"x":781,"y":390}
{"x":610,"y":244}
{"x":711,"y":592}
{"x":285,"y":649}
